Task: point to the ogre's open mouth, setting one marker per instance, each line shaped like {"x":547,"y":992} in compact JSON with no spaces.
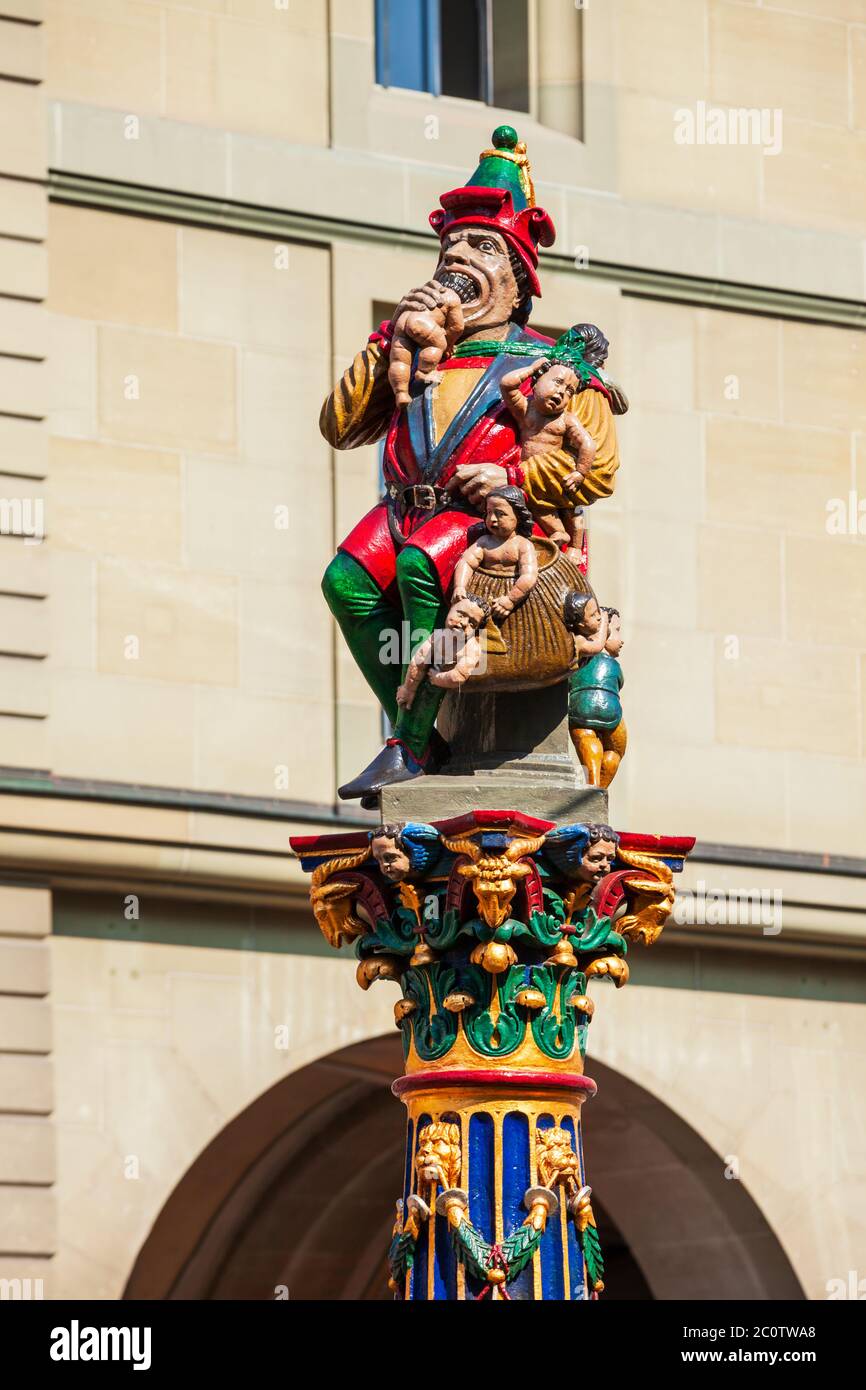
{"x":464,"y":286}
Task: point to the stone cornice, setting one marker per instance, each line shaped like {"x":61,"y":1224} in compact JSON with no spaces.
{"x":254,"y":220}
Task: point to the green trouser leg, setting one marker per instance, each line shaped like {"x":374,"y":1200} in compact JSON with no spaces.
{"x":365,"y":619}
{"x":375,"y":634}
{"x":424,"y":609}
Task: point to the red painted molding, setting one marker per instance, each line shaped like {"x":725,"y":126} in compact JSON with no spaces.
{"x":547,"y":1080}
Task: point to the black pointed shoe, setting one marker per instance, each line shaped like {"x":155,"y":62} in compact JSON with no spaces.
{"x":394,"y":764}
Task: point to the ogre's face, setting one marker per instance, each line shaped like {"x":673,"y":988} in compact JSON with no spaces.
{"x":597,"y":861}
{"x":485,"y":280}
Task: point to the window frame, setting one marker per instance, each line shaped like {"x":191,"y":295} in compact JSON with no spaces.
{"x":432,"y":63}
{"x":433,"y":60}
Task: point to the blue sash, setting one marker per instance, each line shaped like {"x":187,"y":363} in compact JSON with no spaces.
{"x":431,"y":456}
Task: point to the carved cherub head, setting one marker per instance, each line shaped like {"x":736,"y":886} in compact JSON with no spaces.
{"x":506,"y":512}
{"x":437,"y":1161}
{"x":555,"y":388}
{"x":468,"y":615}
{"x":390,"y":853}
{"x":582,"y":614}
{"x":597,"y":859}
{"x":555,"y":1157}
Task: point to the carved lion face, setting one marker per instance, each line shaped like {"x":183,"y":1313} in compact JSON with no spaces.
{"x":437,"y":1161}
{"x":557,"y":1161}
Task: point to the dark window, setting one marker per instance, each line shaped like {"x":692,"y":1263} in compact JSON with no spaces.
{"x":462,"y":30}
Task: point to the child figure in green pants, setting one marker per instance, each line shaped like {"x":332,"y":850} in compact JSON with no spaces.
{"x":595,"y":720}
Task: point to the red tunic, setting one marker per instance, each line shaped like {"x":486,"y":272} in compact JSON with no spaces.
{"x":482,"y":431}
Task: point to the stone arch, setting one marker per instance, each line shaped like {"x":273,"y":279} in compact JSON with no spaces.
{"x":297,"y":1191}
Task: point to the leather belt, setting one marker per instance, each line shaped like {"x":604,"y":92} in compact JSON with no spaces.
{"x":422,"y":497}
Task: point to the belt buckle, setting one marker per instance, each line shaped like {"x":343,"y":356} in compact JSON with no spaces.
{"x":425,"y":497}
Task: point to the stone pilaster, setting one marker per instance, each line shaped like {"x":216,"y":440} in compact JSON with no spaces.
{"x":28,"y":1235}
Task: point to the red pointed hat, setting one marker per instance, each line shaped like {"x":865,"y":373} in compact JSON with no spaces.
{"x":500,"y":195}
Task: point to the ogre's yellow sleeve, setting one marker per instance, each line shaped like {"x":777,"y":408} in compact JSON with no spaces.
{"x":543,"y":474}
{"x":359,"y":409}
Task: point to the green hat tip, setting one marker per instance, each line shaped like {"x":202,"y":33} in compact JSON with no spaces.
{"x":505,"y":138}
{"x":499,"y":167}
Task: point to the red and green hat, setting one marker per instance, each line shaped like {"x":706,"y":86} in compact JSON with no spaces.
{"x":500,"y":195}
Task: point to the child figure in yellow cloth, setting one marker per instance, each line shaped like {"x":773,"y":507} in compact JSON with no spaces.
{"x":545,"y":423}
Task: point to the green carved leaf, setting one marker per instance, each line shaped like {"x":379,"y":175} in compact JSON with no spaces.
{"x":574,"y":983}
{"x":519,"y":1249}
{"x":555,"y":904}
{"x":472,"y":1249}
{"x":554,"y":1028}
{"x":401,"y":1255}
{"x":442,"y":934}
{"x":591,"y":1247}
{"x":577,"y":986}
{"x":499,"y":1037}
{"x":433,"y":1027}
{"x":545,"y":928}
{"x":597,"y":934}
{"x":396,"y":935}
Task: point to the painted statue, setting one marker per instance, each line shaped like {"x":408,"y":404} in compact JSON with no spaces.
{"x":388,"y":849}
{"x":429,"y":334}
{"x":451,"y":654}
{"x":545,"y":422}
{"x":454,"y":441}
{"x":505,"y":543}
{"x":595,"y":717}
{"x":493,"y":923}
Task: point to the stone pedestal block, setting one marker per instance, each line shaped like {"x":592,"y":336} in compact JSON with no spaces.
{"x":509,"y":751}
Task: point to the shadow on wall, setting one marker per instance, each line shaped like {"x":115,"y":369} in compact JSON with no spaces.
{"x":297,"y":1194}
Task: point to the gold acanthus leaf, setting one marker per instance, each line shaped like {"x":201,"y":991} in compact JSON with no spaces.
{"x":411,"y":899}
{"x":650,"y":899}
{"x":332,"y":901}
